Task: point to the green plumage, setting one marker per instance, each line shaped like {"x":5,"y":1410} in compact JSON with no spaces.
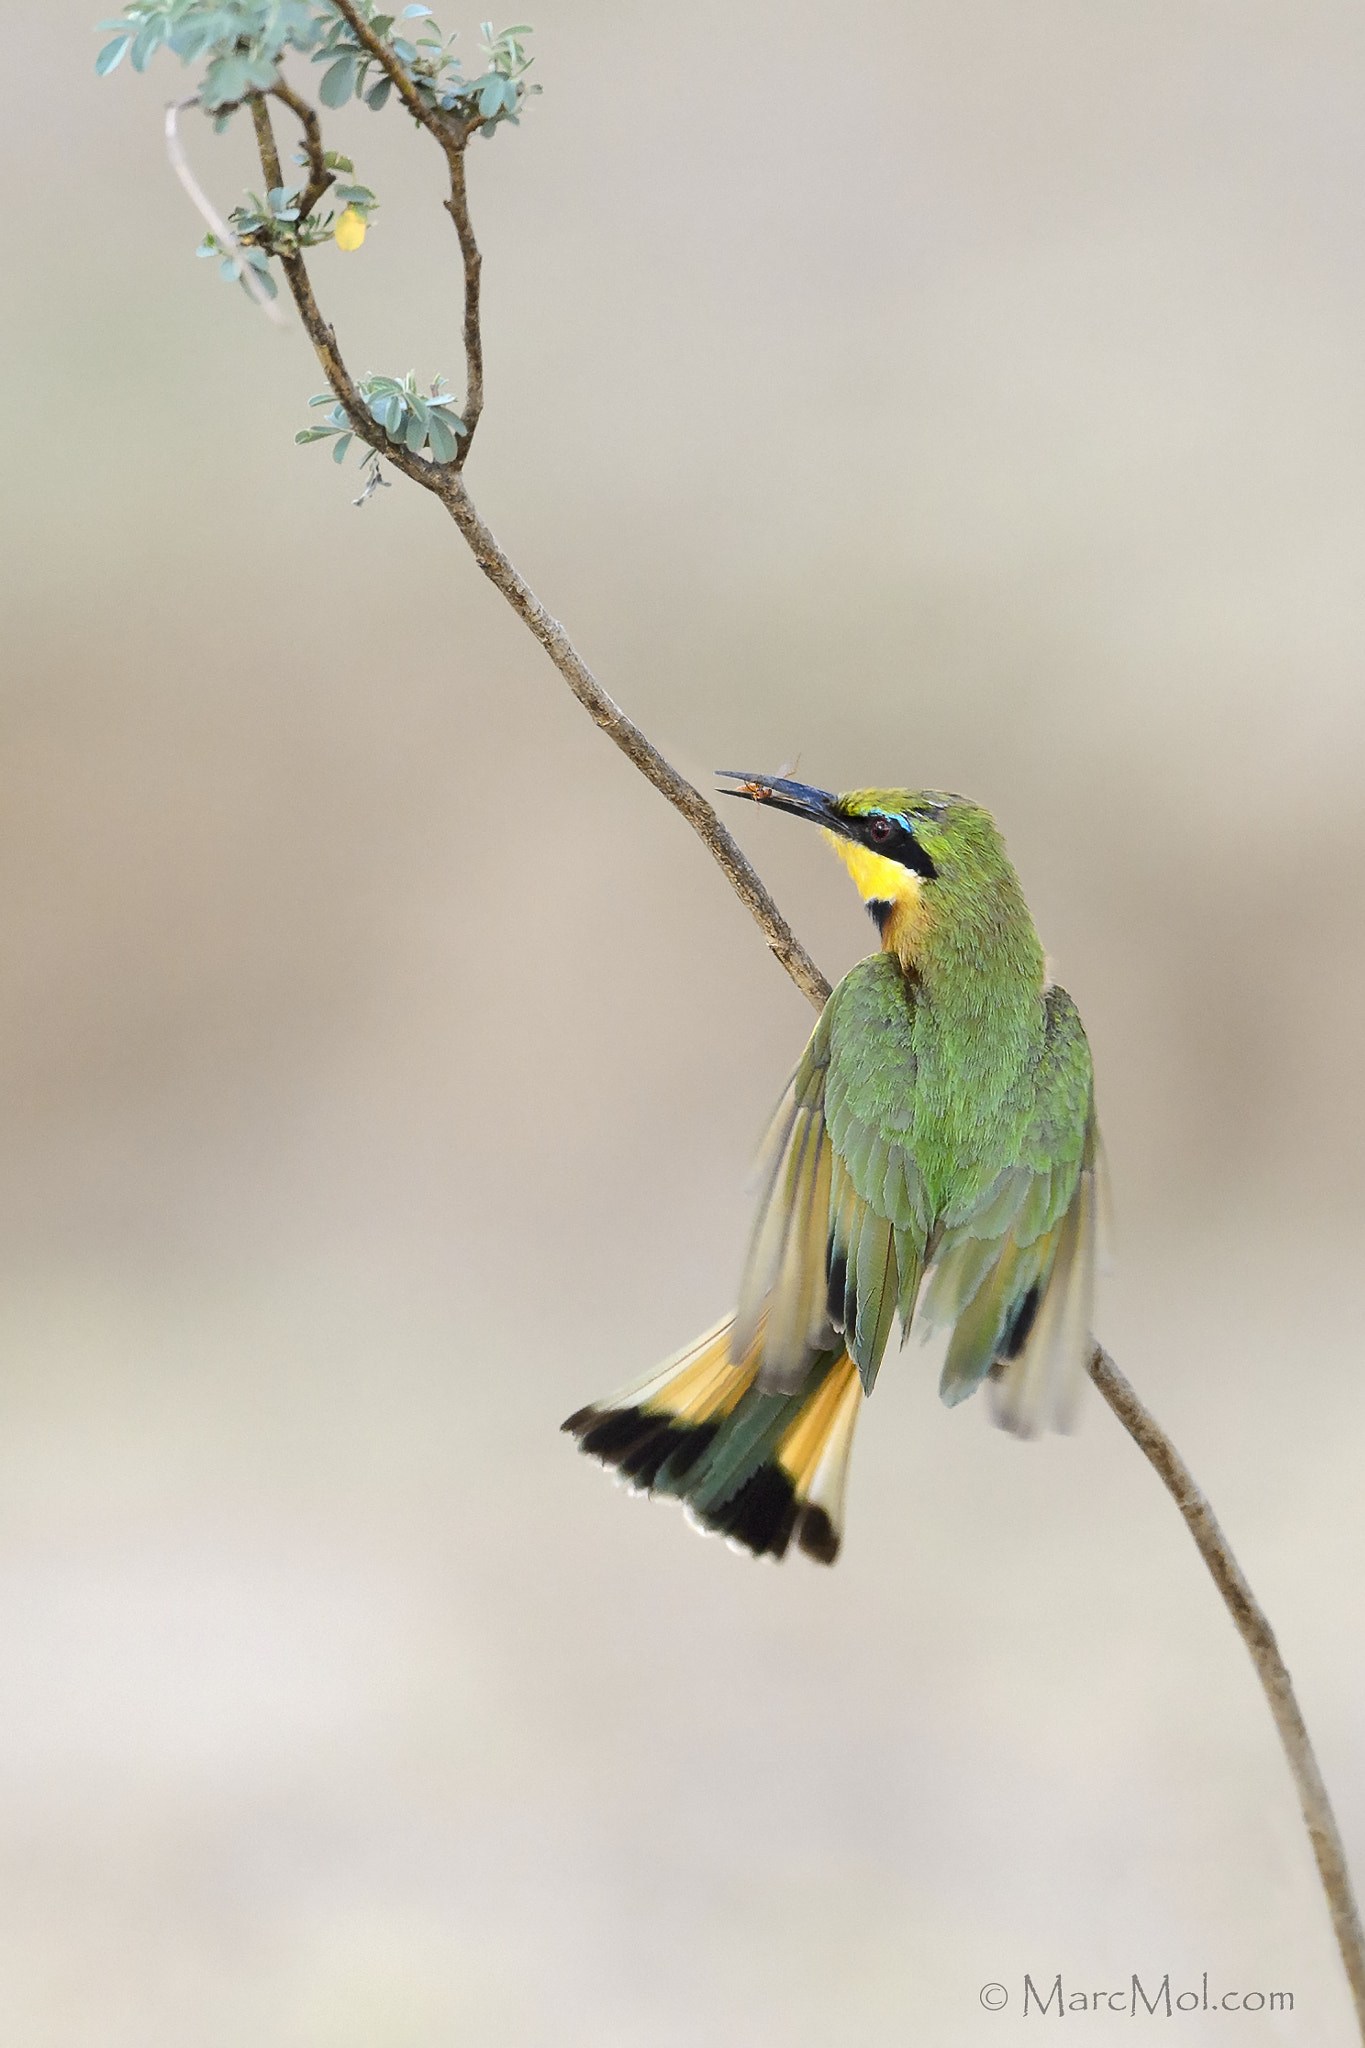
{"x":941,"y":1118}
{"x":934,"y":1160}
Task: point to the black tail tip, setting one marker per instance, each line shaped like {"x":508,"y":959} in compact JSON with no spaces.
{"x":817,"y":1535}
{"x":647,"y":1450}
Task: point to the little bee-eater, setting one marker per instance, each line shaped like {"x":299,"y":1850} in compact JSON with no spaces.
{"x":935,"y":1157}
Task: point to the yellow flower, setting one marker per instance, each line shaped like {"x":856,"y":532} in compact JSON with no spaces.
{"x":350,"y":229}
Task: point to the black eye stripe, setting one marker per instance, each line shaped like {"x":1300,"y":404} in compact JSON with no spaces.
{"x":896,"y":842}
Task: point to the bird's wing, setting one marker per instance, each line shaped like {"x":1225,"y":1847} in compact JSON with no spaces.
{"x":1015,"y":1277}
{"x":839,"y":1236}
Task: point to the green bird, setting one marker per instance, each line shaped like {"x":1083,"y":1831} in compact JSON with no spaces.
{"x":935,"y":1159}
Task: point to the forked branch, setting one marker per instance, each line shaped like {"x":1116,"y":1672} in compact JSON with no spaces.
{"x":319,"y":177}
{"x":443,"y":479}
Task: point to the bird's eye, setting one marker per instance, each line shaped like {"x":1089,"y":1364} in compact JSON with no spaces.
{"x":879,"y":831}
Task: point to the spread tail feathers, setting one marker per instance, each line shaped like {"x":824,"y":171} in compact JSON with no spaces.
{"x":758,"y":1468}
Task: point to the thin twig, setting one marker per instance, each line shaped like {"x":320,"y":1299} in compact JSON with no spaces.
{"x":175,"y":150}
{"x":319,"y":177}
{"x":1259,"y":1638}
{"x":452,"y":133}
{"x":266,"y":143}
{"x":438,"y":124}
{"x":628,"y":737}
{"x":457,"y":206}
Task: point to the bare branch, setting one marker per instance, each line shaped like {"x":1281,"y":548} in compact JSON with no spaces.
{"x":319,"y":177}
{"x":613,"y":721}
{"x":457,"y":206}
{"x":265,"y":143}
{"x":175,"y":150}
{"x":1259,"y":1638}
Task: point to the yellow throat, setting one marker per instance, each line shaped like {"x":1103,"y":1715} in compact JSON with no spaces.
{"x":879,"y":880}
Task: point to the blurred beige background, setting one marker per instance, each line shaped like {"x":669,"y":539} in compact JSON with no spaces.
{"x":967,"y":394}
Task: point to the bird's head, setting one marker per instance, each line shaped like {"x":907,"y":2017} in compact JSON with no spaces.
{"x":911,"y":852}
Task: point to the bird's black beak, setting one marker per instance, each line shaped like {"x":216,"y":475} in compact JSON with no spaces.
{"x":820,"y":806}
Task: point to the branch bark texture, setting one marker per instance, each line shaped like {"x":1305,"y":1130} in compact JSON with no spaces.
{"x":437,"y":124}
{"x":319,"y":177}
{"x":608,"y":715}
{"x":1259,"y":1637}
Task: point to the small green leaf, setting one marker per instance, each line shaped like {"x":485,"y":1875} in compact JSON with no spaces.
{"x":338,"y":83}
{"x":229,"y":270}
{"x":339,"y":452}
{"x":415,"y":13}
{"x":379,"y":92}
{"x":147,"y":40}
{"x":110,"y":55}
{"x":306,"y":434}
{"x":334,"y":160}
{"x":225,"y":82}
{"x":442,"y":439}
{"x":416,"y":433}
